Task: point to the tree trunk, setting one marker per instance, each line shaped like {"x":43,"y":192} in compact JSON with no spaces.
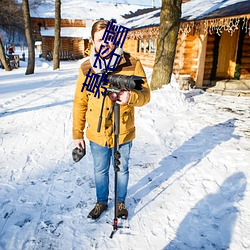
{"x":3,"y":57}
{"x":56,"y":59}
{"x":28,"y":33}
{"x":168,"y":34}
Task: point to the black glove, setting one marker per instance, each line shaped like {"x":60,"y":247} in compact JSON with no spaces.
{"x":78,"y":153}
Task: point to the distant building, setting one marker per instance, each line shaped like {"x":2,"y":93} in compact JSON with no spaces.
{"x":77,"y":19}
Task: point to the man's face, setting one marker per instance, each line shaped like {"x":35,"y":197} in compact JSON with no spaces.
{"x":98,"y":42}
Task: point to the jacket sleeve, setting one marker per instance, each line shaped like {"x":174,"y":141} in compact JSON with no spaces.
{"x":139,"y":98}
{"x":80,"y":106}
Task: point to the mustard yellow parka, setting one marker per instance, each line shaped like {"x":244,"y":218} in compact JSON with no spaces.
{"x":86,"y":107}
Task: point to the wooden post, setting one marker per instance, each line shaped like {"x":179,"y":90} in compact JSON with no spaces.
{"x":201,"y":60}
{"x":149,"y":45}
{"x":140,"y":41}
{"x":144,"y":45}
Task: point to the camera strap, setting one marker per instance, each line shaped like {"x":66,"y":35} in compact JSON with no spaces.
{"x":111,"y":111}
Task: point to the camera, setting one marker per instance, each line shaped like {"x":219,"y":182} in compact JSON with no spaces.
{"x":122,"y":82}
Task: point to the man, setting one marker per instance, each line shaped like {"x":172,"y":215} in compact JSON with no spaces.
{"x":87,"y":107}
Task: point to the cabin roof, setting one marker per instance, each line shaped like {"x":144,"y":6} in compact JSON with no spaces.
{"x":193,"y":10}
{"x":79,"y":32}
{"x":209,"y":9}
{"x":85,"y":10}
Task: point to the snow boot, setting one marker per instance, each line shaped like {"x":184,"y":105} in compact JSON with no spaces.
{"x":122,"y":211}
{"x":97,"y":210}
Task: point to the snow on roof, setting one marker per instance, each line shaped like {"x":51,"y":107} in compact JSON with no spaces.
{"x":84,"y":10}
{"x":80,"y":32}
{"x":197,"y":9}
{"x":138,"y":2}
{"x":145,"y":20}
{"x":192,"y":10}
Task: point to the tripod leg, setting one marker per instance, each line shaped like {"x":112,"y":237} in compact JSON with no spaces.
{"x":116,"y":161}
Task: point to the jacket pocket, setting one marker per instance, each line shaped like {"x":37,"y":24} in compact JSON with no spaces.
{"x":126,"y":120}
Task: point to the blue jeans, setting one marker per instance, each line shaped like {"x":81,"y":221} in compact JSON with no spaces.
{"x":102,"y":158}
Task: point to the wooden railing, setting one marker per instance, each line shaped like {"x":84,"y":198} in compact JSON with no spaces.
{"x":64,"y":55}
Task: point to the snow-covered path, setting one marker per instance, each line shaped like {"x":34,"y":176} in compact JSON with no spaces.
{"x":189,"y":170}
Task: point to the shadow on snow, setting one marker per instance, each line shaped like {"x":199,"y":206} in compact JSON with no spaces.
{"x":210,"y":223}
{"x":190,"y":153}
{"x":23,"y":110}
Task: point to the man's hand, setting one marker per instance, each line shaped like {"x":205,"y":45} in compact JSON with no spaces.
{"x":123,"y":97}
{"x":79,"y":143}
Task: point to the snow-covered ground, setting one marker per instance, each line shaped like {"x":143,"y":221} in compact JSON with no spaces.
{"x":189,"y":170}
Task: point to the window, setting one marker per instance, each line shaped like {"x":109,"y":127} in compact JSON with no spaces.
{"x":146,"y":45}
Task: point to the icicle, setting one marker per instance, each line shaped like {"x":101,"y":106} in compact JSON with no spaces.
{"x":216,"y":25}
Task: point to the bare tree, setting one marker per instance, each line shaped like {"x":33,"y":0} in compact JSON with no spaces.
{"x":28,"y":33}
{"x":3,"y":57}
{"x":168,"y":34}
{"x":11,"y":24}
{"x":11,"y":16}
{"x":56,"y":59}
{"x":36,"y":3}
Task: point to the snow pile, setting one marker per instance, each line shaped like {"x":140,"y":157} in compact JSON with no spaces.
{"x":169,"y":99}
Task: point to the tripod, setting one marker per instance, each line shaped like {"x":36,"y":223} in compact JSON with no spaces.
{"x":117,"y":155}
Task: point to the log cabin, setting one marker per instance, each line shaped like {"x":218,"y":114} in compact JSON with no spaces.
{"x":213,"y":41}
{"x":74,"y":37}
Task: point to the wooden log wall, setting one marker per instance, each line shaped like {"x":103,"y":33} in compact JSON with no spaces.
{"x":179,"y":60}
{"x":79,"y":46}
{"x":73,"y":45}
{"x":66,"y":44}
{"x":130,"y":46}
{"x":245,"y":60}
{"x":190,"y":56}
{"x":47,"y":45}
{"x":185,"y":59}
{"x":50,"y":22}
{"x":186,"y":55}
{"x":146,"y":58}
